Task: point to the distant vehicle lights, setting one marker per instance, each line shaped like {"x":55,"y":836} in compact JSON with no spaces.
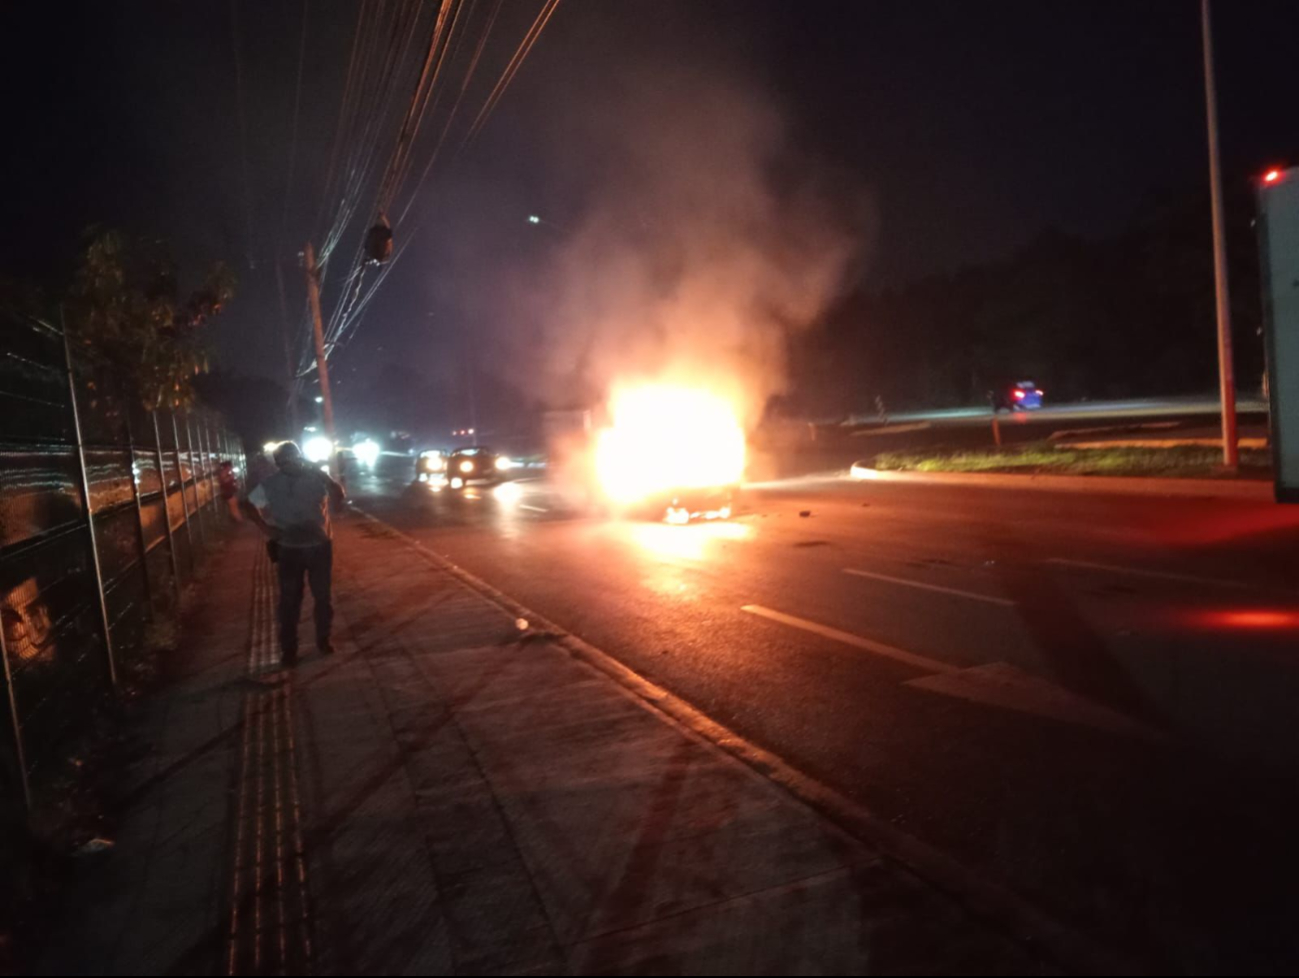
{"x":367,"y":452}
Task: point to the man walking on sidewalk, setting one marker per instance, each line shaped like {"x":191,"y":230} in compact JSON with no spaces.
{"x":295,"y":501}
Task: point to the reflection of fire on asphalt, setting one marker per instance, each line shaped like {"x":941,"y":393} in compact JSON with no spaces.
{"x":666,"y":438}
{"x":27,"y":624}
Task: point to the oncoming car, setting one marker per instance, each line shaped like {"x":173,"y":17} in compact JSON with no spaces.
{"x":431,"y":466}
{"x":465,"y":466}
{"x":1023,"y":395}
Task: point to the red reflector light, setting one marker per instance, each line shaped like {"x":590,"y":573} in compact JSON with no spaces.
{"x":1019,"y":394}
{"x":1271,"y":176}
{"x":1254,"y":618}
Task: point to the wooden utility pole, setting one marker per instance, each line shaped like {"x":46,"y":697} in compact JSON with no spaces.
{"x":290,"y":368}
{"x":322,"y":368}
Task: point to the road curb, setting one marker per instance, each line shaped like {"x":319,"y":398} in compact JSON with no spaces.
{"x":1000,"y":908}
{"x":1252,"y":490}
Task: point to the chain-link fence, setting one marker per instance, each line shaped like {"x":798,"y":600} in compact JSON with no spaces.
{"x":105,"y":510}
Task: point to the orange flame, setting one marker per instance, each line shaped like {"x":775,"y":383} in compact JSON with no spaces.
{"x":666,"y":437}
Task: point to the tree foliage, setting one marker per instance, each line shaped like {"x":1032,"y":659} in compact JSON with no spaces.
{"x":1126,"y":316}
{"x":131,"y":324}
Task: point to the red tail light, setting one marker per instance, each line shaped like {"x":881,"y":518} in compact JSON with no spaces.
{"x":1019,"y":395}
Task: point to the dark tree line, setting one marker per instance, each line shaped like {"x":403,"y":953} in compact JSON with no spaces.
{"x":1128,"y":316}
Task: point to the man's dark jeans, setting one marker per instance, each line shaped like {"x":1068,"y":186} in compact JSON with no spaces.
{"x":316,"y":563}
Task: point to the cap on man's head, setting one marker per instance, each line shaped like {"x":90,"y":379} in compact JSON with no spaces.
{"x":286,"y":453}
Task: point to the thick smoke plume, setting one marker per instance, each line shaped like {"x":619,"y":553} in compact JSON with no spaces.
{"x":709,"y":239}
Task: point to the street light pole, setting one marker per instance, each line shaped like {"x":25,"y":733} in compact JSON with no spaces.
{"x":1226,"y":374}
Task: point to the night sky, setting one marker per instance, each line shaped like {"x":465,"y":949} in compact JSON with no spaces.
{"x":957,"y":132}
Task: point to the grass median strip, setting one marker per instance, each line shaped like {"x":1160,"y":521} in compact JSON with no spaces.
{"x":1191,"y":461}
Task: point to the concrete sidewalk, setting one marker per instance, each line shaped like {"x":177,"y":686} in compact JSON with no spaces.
{"x":454,"y":792}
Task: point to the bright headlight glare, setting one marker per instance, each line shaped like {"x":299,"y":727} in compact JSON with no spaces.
{"x":318,"y":449}
{"x":367,"y":452}
{"x":466,"y":466}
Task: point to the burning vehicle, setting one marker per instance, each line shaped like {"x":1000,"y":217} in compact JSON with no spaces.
{"x":670,"y":452}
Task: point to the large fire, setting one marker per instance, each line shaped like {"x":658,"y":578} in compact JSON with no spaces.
{"x":665,"y":438}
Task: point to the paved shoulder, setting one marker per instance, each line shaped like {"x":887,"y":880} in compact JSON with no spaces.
{"x":481,"y":802}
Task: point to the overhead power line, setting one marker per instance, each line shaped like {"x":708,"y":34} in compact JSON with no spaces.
{"x":293,"y":139}
{"x":512,"y":69}
{"x":381,"y":64}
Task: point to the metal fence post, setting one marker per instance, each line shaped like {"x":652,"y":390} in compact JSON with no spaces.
{"x":19,"y":755}
{"x":180,"y":475}
{"x":206,"y":459}
{"x":193,"y":474}
{"x":194,"y":433}
{"x":90,"y":518}
{"x":166,"y":509}
{"x":139,"y":517}
{"x":210,"y":455}
{"x":224,"y":438}
{"x":203,"y":465}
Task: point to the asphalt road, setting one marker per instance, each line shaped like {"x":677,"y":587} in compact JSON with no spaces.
{"x":1086,"y":697}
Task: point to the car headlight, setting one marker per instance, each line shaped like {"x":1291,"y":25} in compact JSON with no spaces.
{"x":466,"y":466}
{"x":504,"y":464}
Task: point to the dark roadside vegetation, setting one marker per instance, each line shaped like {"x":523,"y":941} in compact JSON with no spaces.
{"x":1127,"y":315}
{"x":1045,"y":457}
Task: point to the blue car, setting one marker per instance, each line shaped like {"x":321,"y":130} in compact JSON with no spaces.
{"x":1026,"y":396}
{"x":1023,"y":395}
